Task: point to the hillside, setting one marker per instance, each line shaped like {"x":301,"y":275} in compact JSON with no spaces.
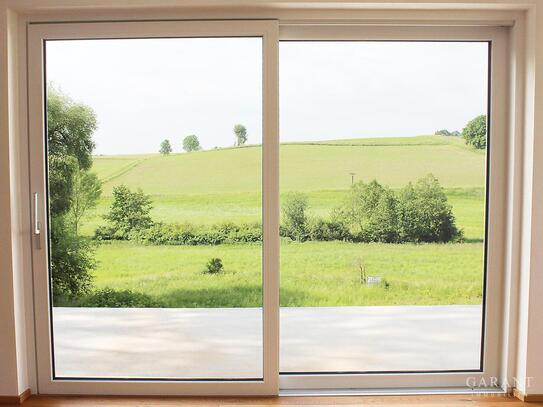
{"x":315,"y":166}
{"x":207,"y":187}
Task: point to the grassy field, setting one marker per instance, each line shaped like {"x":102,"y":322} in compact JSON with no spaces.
{"x":225,"y":185}
{"x":312,"y":273}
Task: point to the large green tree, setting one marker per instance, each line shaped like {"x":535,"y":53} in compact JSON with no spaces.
{"x":475,"y":132}
{"x":425,"y":214}
{"x":130,"y":211}
{"x":70,"y":127}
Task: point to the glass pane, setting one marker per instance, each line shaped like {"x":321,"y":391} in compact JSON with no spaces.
{"x":154,"y":170}
{"x":383,"y":188}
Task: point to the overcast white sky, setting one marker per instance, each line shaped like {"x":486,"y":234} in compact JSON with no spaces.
{"x":144,"y":91}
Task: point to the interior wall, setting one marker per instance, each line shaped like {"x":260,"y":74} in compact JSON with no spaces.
{"x":13,"y":368}
{"x":530,"y":328}
{"x":15,"y":264}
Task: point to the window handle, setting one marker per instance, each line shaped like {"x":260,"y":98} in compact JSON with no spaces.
{"x":37,"y":225}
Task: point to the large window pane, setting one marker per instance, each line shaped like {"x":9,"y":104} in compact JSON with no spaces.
{"x":383,"y":188}
{"x":154,"y":170}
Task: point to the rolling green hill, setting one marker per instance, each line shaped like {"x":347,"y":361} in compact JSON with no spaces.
{"x":304,"y":166}
{"x":225,"y":184}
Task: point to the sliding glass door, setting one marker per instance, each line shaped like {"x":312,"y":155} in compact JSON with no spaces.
{"x":160,"y":217}
{"x":151,"y":204}
{"x":383,"y":197}
{"x":390,"y":152}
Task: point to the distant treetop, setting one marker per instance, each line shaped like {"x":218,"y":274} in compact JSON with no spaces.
{"x":240,"y":131}
{"x":165,"y":147}
{"x":191,"y":143}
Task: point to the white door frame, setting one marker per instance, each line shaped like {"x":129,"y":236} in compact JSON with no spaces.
{"x":495,"y":217}
{"x":268,"y":31}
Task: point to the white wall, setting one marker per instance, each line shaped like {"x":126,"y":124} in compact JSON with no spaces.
{"x":16,"y":363}
{"x":530,"y":322}
{"x":13,"y":262}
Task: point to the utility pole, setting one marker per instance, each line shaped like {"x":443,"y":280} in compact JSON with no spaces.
{"x":352,"y":177}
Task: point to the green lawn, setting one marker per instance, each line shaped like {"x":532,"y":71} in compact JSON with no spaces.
{"x":312,"y":273}
{"x":225,"y":185}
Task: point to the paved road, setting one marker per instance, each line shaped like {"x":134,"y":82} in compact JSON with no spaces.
{"x":227,"y":342}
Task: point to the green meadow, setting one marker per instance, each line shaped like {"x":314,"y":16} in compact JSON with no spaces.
{"x":218,"y":185}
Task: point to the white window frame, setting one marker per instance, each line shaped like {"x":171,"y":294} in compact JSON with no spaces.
{"x":268,"y":31}
{"x":496,"y":210}
{"x":272,"y":32}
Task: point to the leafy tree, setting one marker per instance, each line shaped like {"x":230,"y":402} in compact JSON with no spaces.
{"x":424,"y":213}
{"x":70,"y":127}
{"x":165,"y":147}
{"x":240,"y":131}
{"x":129,"y":211}
{"x":293,"y":214}
{"x":370,"y":211}
{"x":62,"y":169}
{"x":191,"y":143}
{"x":475,"y":132}
{"x":87,"y":189}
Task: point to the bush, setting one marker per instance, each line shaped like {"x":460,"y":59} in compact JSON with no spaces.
{"x":424,"y":213}
{"x":370,"y":212}
{"x":214,"y":266}
{"x":109,"y":298}
{"x":72,"y":260}
{"x":323,"y":230}
{"x":420,"y":213}
{"x":294,"y":219}
{"x":107,"y":233}
{"x":188,"y":234}
{"x":475,"y":132}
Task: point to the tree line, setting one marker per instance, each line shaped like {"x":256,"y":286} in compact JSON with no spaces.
{"x":370,"y":212}
{"x":191,"y":143}
{"x":474,"y":134}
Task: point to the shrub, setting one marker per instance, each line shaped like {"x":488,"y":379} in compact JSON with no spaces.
{"x":188,"y":234}
{"x":370,"y":211}
{"x":106,"y":233}
{"x":324,"y":230}
{"x":424,"y":213}
{"x":129,"y":211}
{"x":420,"y":213}
{"x":475,"y":132}
{"x":214,"y":266}
{"x":294,"y":218}
{"x":109,"y":298}
{"x":72,"y":260}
